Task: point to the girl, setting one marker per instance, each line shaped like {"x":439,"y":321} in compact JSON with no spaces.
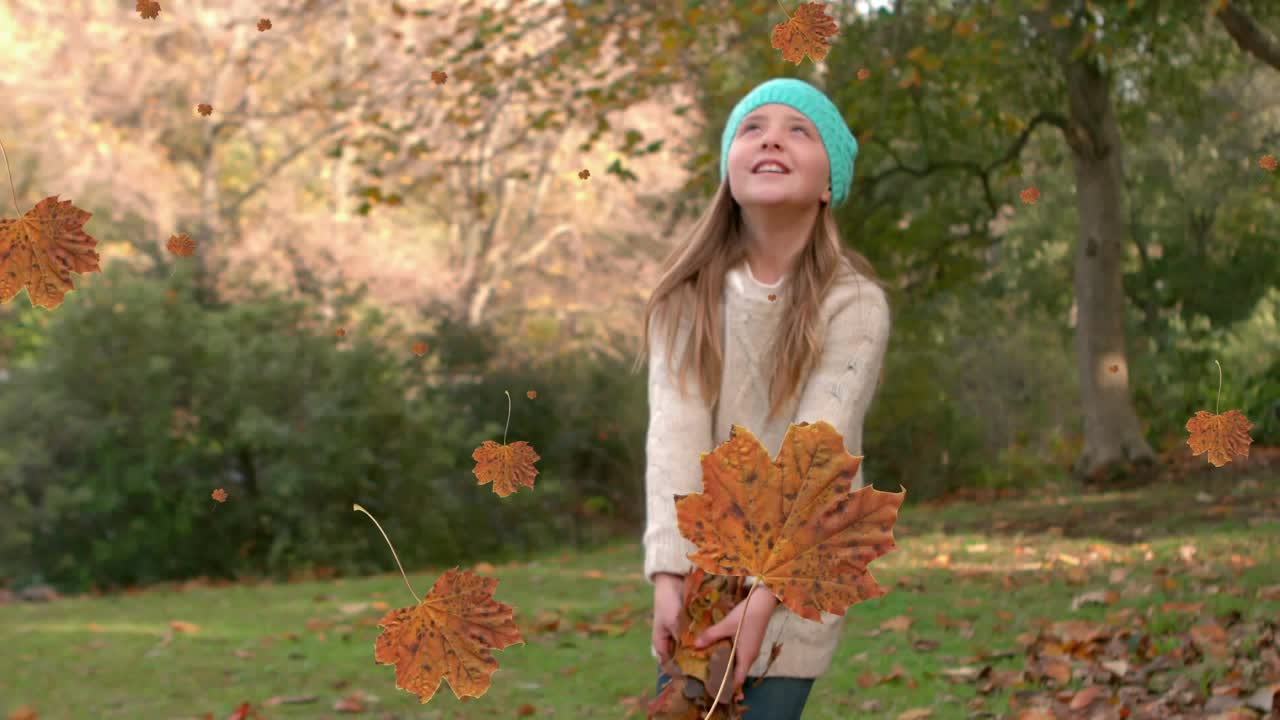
{"x":763,"y":277}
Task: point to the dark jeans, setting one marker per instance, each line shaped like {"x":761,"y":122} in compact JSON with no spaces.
{"x":777,"y":698}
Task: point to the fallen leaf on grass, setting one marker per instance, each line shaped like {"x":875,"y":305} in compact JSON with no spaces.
{"x":24,"y":712}
{"x":290,"y":700}
{"x":1099,"y":597}
{"x":900,"y":623}
{"x":916,"y":714}
{"x":1086,"y":697}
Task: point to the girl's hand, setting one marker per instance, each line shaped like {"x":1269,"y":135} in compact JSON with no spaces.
{"x":762,"y":606}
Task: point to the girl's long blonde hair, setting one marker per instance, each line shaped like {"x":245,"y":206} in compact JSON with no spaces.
{"x":693,"y":280}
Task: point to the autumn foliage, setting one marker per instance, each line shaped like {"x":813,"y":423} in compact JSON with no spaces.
{"x":41,"y":249}
{"x":447,"y":636}
{"x":807,"y":32}
{"x":790,"y":521}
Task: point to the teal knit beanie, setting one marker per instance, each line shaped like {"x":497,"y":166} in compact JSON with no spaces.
{"x":842,"y":147}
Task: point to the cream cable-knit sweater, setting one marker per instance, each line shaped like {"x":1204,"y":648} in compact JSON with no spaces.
{"x":838,"y":390}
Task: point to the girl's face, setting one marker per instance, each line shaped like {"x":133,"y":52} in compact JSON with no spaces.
{"x":779,"y":134}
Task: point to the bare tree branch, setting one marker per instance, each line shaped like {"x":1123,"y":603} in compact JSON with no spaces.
{"x":1249,"y":35}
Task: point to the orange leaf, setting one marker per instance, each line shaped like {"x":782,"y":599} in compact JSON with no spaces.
{"x":532,"y":394}
{"x":24,"y":712}
{"x":1222,"y":436}
{"x":149,"y":9}
{"x":181,"y":245}
{"x":340,"y":332}
{"x":419,"y":348}
{"x":264,"y":25}
{"x":863,"y":74}
{"x":584,"y":173}
{"x":41,"y":249}
{"x":204,"y":109}
{"x":1085,"y":697}
{"x":1030,"y":195}
{"x":791,"y":521}
{"x":1268,"y":163}
{"x":439,"y":77}
{"x":806,"y":32}
{"x":447,"y":636}
{"x":220,"y":495}
{"x":183,"y":627}
{"x":506,"y":466}
{"x":772,"y":297}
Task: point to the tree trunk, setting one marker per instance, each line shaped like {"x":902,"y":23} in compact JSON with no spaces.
{"x":1112,"y":433}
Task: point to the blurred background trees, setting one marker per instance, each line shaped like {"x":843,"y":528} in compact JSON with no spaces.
{"x":338,"y":184}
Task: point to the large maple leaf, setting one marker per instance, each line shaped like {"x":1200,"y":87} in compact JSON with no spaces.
{"x":41,"y":249}
{"x":1222,"y":436}
{"x":791,"y":521}
{"x":806,"y":32}
{"x":508,"y":467}
{"x":447,"y":636}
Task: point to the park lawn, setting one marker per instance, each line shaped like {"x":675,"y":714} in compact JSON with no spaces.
{"x":970,"y":577}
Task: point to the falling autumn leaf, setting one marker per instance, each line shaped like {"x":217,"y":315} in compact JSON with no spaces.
{"x":220,"y":495}
{"x":791,"y":521}
{"x":1268,"y":163}
{"x":806,"y":32}
{"x":1030,"y":195}
{"x":772,"y":297}
{"x":439,"y":77}
{"x":419,"y":348}
{"x":584,"y":173}
{"x":863,"y":74}
{"x":506,"y":466}
{"x":532,"y":394}
{"x":204,"y":109}
{"x":264,"y":25}
{"x":448,"y":636}
{"x":1113,"y":369}
{"x":340,"y":332}
{"x":149,"y":9}
{"x":1222,"y":436}
{"x":41,"y":249}
{"x":181,"y":245}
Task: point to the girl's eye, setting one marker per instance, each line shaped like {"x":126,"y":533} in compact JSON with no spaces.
{"x":801,"y":128}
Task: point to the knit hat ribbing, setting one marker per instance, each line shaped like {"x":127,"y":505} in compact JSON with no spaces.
{"x":841,"y":146}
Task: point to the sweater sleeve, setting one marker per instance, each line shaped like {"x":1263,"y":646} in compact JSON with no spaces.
{"x":843,"y":383}
{"x":679,"y":433}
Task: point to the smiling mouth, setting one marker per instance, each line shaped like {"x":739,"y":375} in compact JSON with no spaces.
{"x":770,"y":167}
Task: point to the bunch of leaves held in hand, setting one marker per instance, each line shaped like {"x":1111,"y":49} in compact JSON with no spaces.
{"x":790,"y":521}
{"x":696,"y":673}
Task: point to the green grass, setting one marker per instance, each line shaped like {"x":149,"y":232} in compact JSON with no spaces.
{"x":106,"y":657}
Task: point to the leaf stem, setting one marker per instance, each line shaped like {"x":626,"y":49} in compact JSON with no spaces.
{"x":784,"y":9}
{"x":1219,"y":400}
{"x":12,"y":188}
{"x":733,"y":648}
{"x":356,"y":506}
{"x":508,"y":427}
